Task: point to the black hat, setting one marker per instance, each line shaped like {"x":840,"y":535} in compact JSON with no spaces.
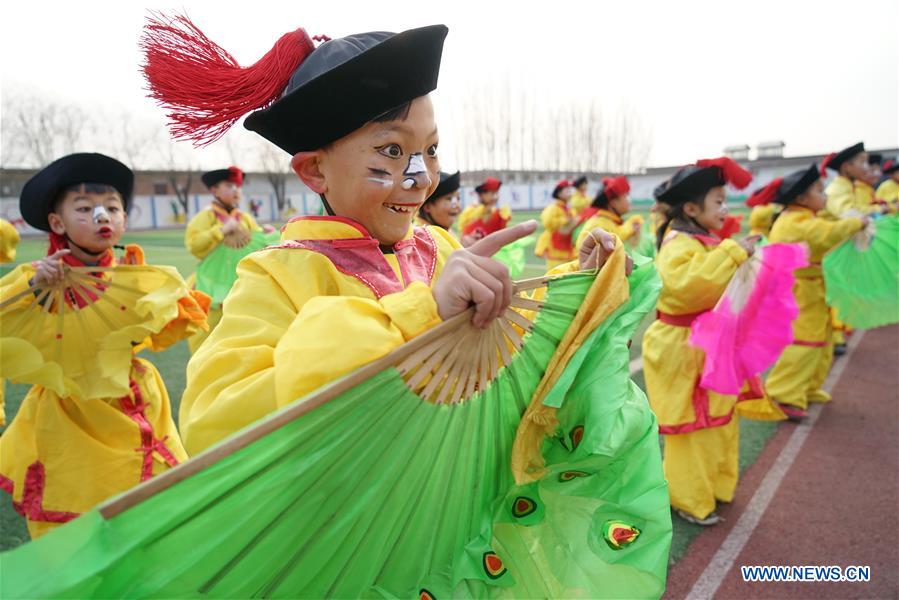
{"x":796,"y":183}
{"x":43,"y":189}
{"x":875,"y":159}
{"x":659,"y":189}
{"x":449,"y":183}
{"x":345,"y":83}
{"x":835,"y":161}
{"x":693,"y":181}
{"x":580,"y":181}
{"x":232,"y":174}
{"x":891,"y":166}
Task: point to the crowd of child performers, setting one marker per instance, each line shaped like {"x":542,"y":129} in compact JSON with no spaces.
{"x":700,"y":426}
{"x":285,"y":329}
{"x":69,"y":446}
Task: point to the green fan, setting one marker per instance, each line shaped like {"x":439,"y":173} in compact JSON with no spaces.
{"x":395,"y":481}
{"x":646,"y":246}
{"x":217,"y":272}
{"x":862,"y":276}
{"x":514,"y":255}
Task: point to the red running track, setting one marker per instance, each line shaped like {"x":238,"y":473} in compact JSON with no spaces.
{"x":838,"y":503}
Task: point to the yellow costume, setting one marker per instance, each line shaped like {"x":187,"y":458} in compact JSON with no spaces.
{"x":843,"y":195}
{"x":760,"y":219}
{"x":478,"y":219}
{"x":61,"y":456}
{"x":579,"y":202}
{"x":203,"y":235}
{"x":702,"y":435}
{"x":292,"y":313}
{"x":888,"y":192}
{"x":9,"y":239}
{"x":554,"y":245}
{"x":611,"y":222}
{"x":800,"y":371}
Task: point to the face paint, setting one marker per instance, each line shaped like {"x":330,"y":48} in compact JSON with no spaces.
{"x":99,"y":212}
{"x":380,"y":176}
{"x":416,"y":165}
{"x":381,"y":181}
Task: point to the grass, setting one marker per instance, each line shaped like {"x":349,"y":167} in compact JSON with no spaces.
{"x":167,"y":247}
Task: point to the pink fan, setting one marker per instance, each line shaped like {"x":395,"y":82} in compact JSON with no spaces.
{"x":752,"y":323}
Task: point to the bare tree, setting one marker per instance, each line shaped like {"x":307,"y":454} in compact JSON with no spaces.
{"x":36,"y":129}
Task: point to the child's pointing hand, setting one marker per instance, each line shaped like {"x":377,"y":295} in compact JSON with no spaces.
{"x":472,"y":277}
{"x":48,"y":271}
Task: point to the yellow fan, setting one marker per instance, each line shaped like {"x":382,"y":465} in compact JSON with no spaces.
{"x":78,"y":337}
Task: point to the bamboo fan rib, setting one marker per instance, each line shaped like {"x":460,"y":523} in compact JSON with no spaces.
{"x":87,"y":324}
{"x":464,"y":359}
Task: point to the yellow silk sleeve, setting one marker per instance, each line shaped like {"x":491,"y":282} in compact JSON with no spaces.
{"x":823,"y":235}
{"x":9,"y":239}
{"x":693,"y":277}
{"x":204,"y":233}
{"x":554,"y":217}
{"x":249,"y":222}
{"x":273,"y":346}
{"x":470,"y":213}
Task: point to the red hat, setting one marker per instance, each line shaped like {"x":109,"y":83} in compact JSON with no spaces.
{"x":733,"y":173}
{"x":615,"y":187}
{"x":765,"y":195}
{"x":564,"y":183}
{"x":491,"y":184}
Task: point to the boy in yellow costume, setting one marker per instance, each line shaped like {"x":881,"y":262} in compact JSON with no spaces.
{"x":64,"y":453}
{"x":442,"y":206}
{"x":484,"y":217}
{"x":346,"y":288}
{"x":559,"y":221}
{"x":612,"y":202}
{"x":800,"y":371}
{"x":888,"y":189}
{"x":847,"y":194}
{"x":579,"y":198}
{"x":9,"y":239}
{"x":700,"y":427}
{"x":221,"y":222}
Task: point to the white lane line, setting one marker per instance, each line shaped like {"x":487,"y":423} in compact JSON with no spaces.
{"x":718,"y":568}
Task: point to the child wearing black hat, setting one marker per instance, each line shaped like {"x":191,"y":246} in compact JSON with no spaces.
{"x":97,"y":420}
{"x":222,"y":222}
{"x":702,"y":434}
{"x":355,"y":116}
{"x":484,"y":217}
{"x":845,"y":193}
{"x":800,"y":371}
{"x":442,"y":206}
{"x":555,"y":244}
{"x":579,"y":198}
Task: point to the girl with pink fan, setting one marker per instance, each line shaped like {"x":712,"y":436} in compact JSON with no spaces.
{"x":702,"y":437}
{"x":800,"y":371}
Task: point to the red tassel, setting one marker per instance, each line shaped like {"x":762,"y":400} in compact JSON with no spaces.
{"x":236,"y":176}
{"x":732,"y":225}
{"x":733,"y":173}
{"x":201,"y":84}
{"x":826,"y":162}
{"x":765,"y":195}
{"x":615,"y":187}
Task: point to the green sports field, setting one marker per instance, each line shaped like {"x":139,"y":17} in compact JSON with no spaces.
{"x":167,"y":247}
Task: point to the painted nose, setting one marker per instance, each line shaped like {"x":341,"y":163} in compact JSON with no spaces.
{"x":100,"y":215}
